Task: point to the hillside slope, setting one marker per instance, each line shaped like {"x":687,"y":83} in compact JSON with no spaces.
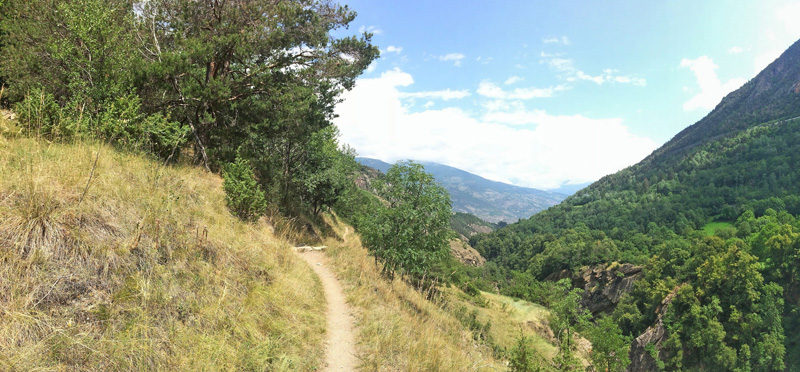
{"x":151,"y":272}
{"x":491,"y":201}
{"x":144,"y":269}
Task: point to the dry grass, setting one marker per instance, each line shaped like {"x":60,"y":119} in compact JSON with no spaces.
{"x":508,"y":317}
{"x":149,"y":272}
{"x":398,"y":329}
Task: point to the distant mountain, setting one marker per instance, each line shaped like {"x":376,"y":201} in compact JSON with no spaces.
{"x":491,"y":201}
{"x":569,"y":189}
{"x":374,"y":163}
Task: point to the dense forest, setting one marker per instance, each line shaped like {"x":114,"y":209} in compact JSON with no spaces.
{"x":712,"y":218}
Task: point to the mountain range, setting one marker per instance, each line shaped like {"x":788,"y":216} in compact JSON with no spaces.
{"x":711,"y":217}
{"x":489,"y":200}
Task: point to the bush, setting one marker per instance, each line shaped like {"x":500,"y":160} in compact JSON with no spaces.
{"x":39,"y":114}
{"x":523,"y":358}
{"x":120,"y":122}
{"x":242,"y":194}
{"x":123,"y":123}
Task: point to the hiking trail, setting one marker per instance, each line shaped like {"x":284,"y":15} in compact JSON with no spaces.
{"x":340,"y":343}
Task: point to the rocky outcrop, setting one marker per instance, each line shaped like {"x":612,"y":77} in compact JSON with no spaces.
{"x":603,"y":285}
{"x":641,"y":357}
{"x":466,"y":254}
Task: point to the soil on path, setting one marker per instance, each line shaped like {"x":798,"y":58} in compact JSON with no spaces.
{"x":340,"y":344}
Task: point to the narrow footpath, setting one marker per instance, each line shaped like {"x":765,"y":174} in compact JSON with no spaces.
{"x":340,"y":345}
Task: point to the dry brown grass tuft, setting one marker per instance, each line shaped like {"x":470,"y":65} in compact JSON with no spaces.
{"x":399,"y":329}
{"x":148,"y":272}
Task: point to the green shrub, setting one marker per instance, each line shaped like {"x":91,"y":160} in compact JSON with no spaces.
{"x":523,"y":358}
{"x":120,"y":122}
{"x":242,"y":193}
{"x":39,"y":114}
{"x":123,"y":123}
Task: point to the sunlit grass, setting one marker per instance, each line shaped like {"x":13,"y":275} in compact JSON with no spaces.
{"x":399,"y":330}
{"x":144,"y":269}
{"x":711,"y":228}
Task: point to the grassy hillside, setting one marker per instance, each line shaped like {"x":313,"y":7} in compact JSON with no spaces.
{"x":143,"y":270}
{"x":399,"y":329}
{"x":402,"y":331}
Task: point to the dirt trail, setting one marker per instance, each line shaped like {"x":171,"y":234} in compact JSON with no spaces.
{"x":340,"y":344}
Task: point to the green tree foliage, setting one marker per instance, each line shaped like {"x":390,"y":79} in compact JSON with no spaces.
{"x":523,"y":358}
{"x":744,"y":180}
{"x":82,"y":52}
{"x":567,"y":317}
{"x":730,"y":315}
{"x":326,"y":172}
{"x":410,"y":234}
{"x":256,"y":79}
{"x":258,"y":74}
{"x":609,"y":346}
{"x":242,"y":193}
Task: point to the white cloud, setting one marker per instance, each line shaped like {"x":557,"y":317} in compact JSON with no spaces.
{"x":506,"y":142}
{"x":788,"y":15}
{"x":735,"y":50}
{"x":446,"y":94}
{"x":372,"y":29}
{"x":484,"y":60}
{"x":557,"y":40}
{"x":455,"y":57}
{"x":778,"y":34}
{"x":571,"y":73}
{"x":491,"y":90}
{"x":394,"y":49}
{"x":513,"y":79}
{"x":711,"y":88}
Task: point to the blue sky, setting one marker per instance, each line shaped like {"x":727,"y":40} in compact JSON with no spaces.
{"x":544,"y":93}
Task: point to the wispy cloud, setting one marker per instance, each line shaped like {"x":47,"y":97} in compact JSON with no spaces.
{"x":513,"y":79}
{"x":394,"y":49}
{"x":711,"y":88}
{"x":491,"y":90}
{"x":735,"y":50}
{"x":557,"y":40}
{"x":570,"y":73}
{"x":372,"y":29}
{"x":483,"y":60}
{"x":455,"y":57}
{"x":446,"y":94}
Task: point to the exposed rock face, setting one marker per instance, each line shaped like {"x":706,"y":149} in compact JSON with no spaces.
{"x":641,"y":360}
{"x":604,"y":285}
{"x":466,"y":254}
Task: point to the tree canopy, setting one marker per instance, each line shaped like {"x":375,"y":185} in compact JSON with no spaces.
{"x":212,"y":80}
{"x":410,"y":233}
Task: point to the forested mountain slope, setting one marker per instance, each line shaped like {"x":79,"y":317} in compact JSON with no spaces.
{"x":739,"y":157}
{"x":732,"y":174}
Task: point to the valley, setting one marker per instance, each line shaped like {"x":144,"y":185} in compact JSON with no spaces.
{"x":195,"y":185}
